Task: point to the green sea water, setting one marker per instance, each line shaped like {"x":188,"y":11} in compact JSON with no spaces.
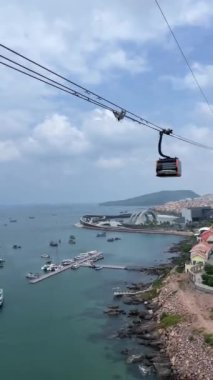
{"x":56,"y":329}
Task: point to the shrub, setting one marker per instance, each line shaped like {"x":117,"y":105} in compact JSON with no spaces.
{"x":207,"y":279}
{"x":209,"y":269}
{"x":208,"y":338}
{"x":169,"y":320}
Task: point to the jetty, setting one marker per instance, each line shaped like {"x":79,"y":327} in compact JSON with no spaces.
{"x":120,"y":293}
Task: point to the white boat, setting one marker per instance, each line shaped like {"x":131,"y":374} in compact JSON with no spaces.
{"x":67,"y":262}
{"x":1,"y":297}
{"x":45,"y":256}
{"x":32,"y":276}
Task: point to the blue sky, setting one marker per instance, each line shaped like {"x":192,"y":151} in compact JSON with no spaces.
{"x":55,"y":148}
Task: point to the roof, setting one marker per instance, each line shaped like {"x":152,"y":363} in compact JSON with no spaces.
{"x":205,"y":235}
{"x":204,"y":255}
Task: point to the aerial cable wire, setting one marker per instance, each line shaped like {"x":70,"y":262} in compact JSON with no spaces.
{"x":79,"y":86}
{"x":184,"y":57}
{"x":59,"y":86}
{"x":125,"y":113}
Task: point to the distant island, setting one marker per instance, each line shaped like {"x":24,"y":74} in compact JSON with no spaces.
{"x":154,"y":199}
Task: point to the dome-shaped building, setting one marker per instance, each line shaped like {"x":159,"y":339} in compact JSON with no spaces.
{"x":143,"y":217}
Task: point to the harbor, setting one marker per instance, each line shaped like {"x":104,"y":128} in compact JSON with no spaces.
{"x":87,"y":260}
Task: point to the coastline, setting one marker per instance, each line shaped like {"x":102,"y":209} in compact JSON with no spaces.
{"x":139,"y":230}
{"x":169,"y":319}
{"x":190,"y":357}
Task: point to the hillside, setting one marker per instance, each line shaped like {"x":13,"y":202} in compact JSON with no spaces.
{"x":153,"y":199}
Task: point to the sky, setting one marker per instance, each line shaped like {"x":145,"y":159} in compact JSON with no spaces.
{"x":55,"y":148}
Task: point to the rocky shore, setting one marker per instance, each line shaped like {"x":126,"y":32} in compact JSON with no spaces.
{"x":163,"y":328}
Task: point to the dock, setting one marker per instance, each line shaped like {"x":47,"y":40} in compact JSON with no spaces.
{"x":87,"y":260}
{"x":47,"y":275}
{"x":120,"y":293}
{"x":104,"y":266}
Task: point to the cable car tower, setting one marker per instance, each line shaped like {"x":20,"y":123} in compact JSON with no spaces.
{"x":167,"y":166}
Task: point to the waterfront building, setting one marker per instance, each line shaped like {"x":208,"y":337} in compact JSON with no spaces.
{"x":197,"y":214}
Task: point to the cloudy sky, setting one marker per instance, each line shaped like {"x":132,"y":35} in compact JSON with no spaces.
{"x":56,"y":148}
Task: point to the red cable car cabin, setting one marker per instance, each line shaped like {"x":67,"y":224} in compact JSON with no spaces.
{"x":168,"y":167}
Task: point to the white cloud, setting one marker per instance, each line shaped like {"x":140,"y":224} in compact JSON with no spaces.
{"x":110,"y":163}
{"x":101,"y":43}
{"x":8,"y":151}
{"x":56,"y":137}
{"x":203,"y":73}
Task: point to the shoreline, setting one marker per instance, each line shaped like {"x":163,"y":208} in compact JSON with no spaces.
{"x":190,"y":356}
{"x":165,"y":320}
{"x":135,"y":230}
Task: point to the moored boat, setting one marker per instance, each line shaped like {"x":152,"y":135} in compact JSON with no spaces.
{"x":1,"y":297}
{"x":32,"y":276}
{"x":1,"y":262}
{"x":101,"y":234}
{"x":53,"y":244}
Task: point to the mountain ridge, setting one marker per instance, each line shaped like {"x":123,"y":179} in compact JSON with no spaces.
{"x":153,"y":199}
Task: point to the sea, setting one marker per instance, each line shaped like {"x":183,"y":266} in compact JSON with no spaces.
{"x":56,"y":329}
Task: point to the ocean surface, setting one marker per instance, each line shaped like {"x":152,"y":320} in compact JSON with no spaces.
{"x":56,"y":329}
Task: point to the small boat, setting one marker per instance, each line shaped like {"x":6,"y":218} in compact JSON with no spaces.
{"x":49,"y":261}
{"x":13,"y":220}
{"x":75,"y":266}
{"x":117,"y":238}
{"x":1,"y":262}
{"x":15,"y":246}
{"x":110,"y":239}
{"x":31,"y":217}
{"x":67,"y":262}
{"x":98,"y":268}
{"x":53,"y":244}
{"x":71,"y":241}
{"x":101,"y":234}
{"x":32,"y":276}
{"x":45,"y":256}
{"x":72,"y":237}
{"x":1,"y":297}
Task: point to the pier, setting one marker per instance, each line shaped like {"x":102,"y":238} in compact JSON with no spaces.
{"x":47,"y":275}
{"x":104,"y":266}
{"x":87,"y":259}
{"x":120,"y":293}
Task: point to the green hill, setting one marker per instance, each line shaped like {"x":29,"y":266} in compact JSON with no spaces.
{"x":154,"y":199}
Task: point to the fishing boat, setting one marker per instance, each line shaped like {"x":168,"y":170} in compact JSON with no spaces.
{"x":32,"y":276}
{"x":1,"y":297}
{"x":1,"y":262}
{"x":67,"y":262}
{"x":101,"y":234}
{"x":53,"y":244}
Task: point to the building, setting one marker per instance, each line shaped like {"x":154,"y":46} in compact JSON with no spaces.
{"x":200,"y":253}
{"x":197,"y":214}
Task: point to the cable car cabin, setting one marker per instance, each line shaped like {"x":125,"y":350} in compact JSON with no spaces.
{"x":168,"y":167}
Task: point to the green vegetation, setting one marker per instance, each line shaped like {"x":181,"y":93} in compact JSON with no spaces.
{"x":156,"y":285}
{"x":184,"y":247}
{"x":207,"y":279}
{"x":152,"y":199}
{"x":208,"y":269}
{"x":208,"y":338}
{"x":169,"y":320}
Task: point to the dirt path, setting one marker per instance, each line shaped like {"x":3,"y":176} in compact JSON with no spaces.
{"x":197,"y":304}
